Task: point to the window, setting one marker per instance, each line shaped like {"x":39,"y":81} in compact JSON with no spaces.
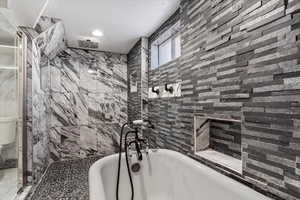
{"x":177,"y":46}
{"x":166,"y":48}
{"x":165,"y":52}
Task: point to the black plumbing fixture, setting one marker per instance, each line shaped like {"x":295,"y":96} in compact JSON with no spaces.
{"x":127,"y":162}
{"x":149,"y":123}
{"x":119,"y":163}
{"x":126,"y":155}
{"x":137,"y":145}
{"x":145,"y":102}
{"x":138,"y":149}
{"x":155,"y":90}
{"x":136,"y":167}
{"x":137,"y":141}
{"x":169,"y":89}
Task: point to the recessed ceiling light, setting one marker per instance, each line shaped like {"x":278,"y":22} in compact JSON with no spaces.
{"x":97,"y":33}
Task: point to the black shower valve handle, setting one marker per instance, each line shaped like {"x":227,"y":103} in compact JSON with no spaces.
{"x":155,"y":90}
{"x":169,"y":89}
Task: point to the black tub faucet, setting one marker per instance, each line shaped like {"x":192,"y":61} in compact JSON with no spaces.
{"x":169,"y":89}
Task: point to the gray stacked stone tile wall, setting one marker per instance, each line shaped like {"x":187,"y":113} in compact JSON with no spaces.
{"x":225,"y":137}
{"x":138,"y":78}
{"x":239,"y":59}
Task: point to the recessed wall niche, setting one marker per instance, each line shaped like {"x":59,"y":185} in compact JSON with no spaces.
{"x":133,"y":82}
{"x":218,"y":139}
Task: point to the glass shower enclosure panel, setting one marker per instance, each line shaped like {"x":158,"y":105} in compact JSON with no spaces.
{"x":11,"y":117}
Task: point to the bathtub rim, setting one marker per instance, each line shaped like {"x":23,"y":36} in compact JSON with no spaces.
{"x":193,"y":159}
{"x":263,"y":189}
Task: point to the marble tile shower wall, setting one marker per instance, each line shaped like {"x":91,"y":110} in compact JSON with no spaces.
{"x":239,"y":59}
{"x":41,"y":47}
{"x":88,"y":103}
{"x":76,"y":99}
{"x":45,"y":47}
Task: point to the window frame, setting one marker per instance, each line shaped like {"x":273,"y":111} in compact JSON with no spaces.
{"x":173,"y":32}
{"x":159,"y":46}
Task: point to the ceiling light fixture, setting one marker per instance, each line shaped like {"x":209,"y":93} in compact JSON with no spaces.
{"x":97,"y":33}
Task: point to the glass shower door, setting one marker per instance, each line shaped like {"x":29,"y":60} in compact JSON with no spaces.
{"x":11,"y":118}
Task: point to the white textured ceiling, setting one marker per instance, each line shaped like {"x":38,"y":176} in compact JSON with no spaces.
{"x":121,"y":21}
{"x":27,"y":12}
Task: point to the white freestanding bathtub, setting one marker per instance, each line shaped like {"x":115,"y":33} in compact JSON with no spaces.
{"x":165,"y":175}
